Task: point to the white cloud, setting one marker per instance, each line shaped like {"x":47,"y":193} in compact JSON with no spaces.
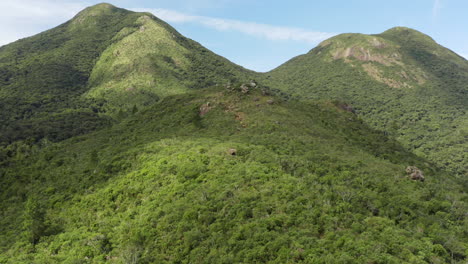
{"x":169,"y":15}
{"x":22,"y":18}
{"x":250,"y":28}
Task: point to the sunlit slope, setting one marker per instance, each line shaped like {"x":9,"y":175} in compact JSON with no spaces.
{"x":227,"y":176}
{"x":98,"y":66}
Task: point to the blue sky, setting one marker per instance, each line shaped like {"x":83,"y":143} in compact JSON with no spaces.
{"x":260,"y":34}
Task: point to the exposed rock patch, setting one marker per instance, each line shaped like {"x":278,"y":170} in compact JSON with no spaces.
{"x":382,"y":59}
{"x":145,"y":18}
{"x":414,"y":173}
{"x":377,"y":75}
{"x":378,"y":44}
{"x":244,"y":88}
{"x":363,"y":54}
{"x":205,"y":108}
{"x":346,"y":107}
{"x":232,"y":152}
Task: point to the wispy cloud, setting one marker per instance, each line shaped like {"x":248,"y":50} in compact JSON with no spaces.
{"x":194,"y":6}
{"x":27,"y":17}
{"x":270,"y":32}
{"x":436,"y":6}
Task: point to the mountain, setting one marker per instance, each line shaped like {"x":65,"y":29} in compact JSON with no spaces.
{"x":400,"y":82}
{"x":125,"y":142}
{"x":105,"y":60}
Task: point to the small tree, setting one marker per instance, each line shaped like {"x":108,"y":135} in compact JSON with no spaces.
{"x":134,"y":109}
{"x":33,"y":221}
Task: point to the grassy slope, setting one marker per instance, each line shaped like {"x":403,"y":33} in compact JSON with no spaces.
{"x":151,"y":61}
{"x":310,"y":183}
{"x":408,"y":86}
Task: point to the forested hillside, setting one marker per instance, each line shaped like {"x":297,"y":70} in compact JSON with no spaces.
{"x":225,"y":176}
{"x":122,"y":141}
{"x":400,"y":82}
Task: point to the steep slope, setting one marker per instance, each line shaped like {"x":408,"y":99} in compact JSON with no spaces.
{"x":400,"y":82}
{"x":230,"y":176}
{"x":152,"y":60}
{"x":44,"y":76}
{"x":105,"y":61}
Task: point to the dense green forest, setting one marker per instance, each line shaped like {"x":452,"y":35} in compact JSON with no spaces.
{"x":400,"y":82}
{"x":253,"y":179}
{"x":124,"y":142}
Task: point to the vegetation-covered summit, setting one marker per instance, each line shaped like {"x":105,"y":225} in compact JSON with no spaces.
{"x":68,"y":80}
{"x":400,"y":82}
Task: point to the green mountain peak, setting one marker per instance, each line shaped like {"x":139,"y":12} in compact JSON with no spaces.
{"x":101,"y":8}
{"x":110,"y":60}
{"x":406,"y":32}
{"x":400,"y":81}
{"x":420,"y":45}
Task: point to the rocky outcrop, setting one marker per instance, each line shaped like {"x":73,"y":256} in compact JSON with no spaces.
{"x":414,"y":173}
{"x":232,"y":152}
{"x":244,"y":88}
{"x":204,"y":109}
{"x":346,"y":107}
